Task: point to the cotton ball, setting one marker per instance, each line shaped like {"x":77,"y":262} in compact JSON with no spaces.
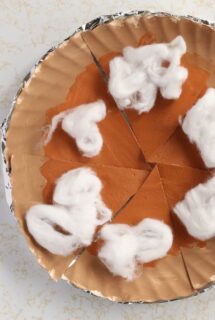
{"x":91,"y":143}
{"x":178,"y":44}
{"x":199,"y":125}
{"x":83,"y":220}
{"x":171,"y":82}
{"x":197,"y":210}
{"x":171,"y":78}
{"x":130,"y":87}
{"x":136,"y":77}
{"x":81,"y":124}
{"x":141,"y":101}
{"x":123,"y":80}
{"x":78,"y":224}
{"x":119,"y":250}
{"x":145,"y":99}
{"x":149,"y":56}
{"x":81,"y":187}
{"x":146,"y":55}
{"x":123,"y":103}
{"x":54,"y":124}
{"x":155,"y":240}
{"x":104,"y":214}
{"x":125,"y":247}
{"x":76,"y":187}
{"x":41,"y":220}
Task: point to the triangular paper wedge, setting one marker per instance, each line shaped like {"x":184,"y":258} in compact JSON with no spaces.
{"x":159,"y":282}
{"x":177,"y":181}
{"x":28,"y":182}
{"x":199,"y":259}
{"x":178,"y":150}
{"x":200,"y":264}
{"x":119,"y":184}
{"x":149,"y":201}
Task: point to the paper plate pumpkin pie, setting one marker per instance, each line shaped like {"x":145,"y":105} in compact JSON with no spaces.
{"x":105,"y":195}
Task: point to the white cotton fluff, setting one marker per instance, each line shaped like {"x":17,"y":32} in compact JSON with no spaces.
{"x":80,"y":187}
{"x":199,"y":125}
{"x":80,"y":123}
{"x":136,"y":76}
{"x":130,"y":86}
{"x":125,"y":247}
{"x":197,"y":210}
{"x":78,"y":210}
{"x":79,"y":222}
{"x":76,"y":187}
{"x":41,"y":220}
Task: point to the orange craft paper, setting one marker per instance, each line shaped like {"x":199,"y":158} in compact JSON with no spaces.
{"x":178,"y":150}
{"x":116,"y":189}
{"x":120,"y":147}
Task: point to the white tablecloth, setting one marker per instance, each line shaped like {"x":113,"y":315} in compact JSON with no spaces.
{"x":28,"y":28}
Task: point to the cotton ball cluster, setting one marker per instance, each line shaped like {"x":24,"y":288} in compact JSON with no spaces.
{"x":197,"y":210}
{"x":199,"y":125}
{"x":80,"y":123}
{"x":78,"y":209}
{"x":136,"y":77}
{"x":125,"y":247}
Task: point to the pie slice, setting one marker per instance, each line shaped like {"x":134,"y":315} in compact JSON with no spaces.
{"x":176,"y":182}
{"x":116,"y":189}
{"x":166,"y":274}
{"x":47,"y":86}
{"x":54,"y":264}
{"x":198,"y":256}
{"x":200,"y":264}
{"x":29,"y":181}
{"x":119,"y":145}
{"x":149,"y":201}
{"x":178,"y":151}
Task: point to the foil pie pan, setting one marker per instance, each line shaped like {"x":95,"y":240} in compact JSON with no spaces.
{"x":101,"y":36}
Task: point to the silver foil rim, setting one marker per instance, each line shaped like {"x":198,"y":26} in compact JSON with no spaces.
{"x":6,"y":122}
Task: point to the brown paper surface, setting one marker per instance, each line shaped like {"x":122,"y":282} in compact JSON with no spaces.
{"x":116,"y":190}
